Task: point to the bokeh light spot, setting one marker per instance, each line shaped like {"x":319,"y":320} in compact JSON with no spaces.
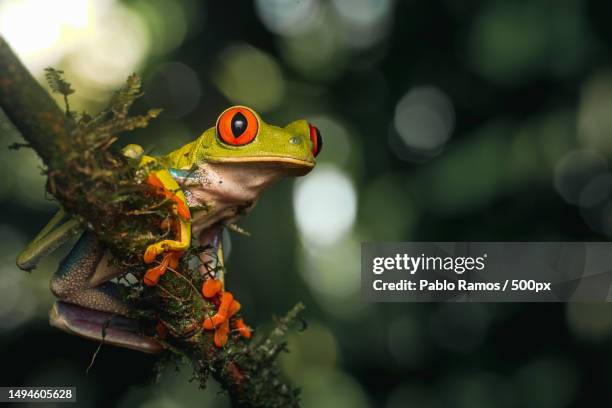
{"x":341,"y":257}
{"x":331,"y":388}
{"x":318,"y":53}
{"x":246,"y":75}
{"x":594,"y":119}
{"x":575,"y":170}
{"x":507,"y":41}
{"x":424,"y":120}
{"x":35,"y":28}
{"x":115,"y":48}
{"x":590,"y":321}
{"x":365,"y":21}
{"x":325,"y":205}
{"x":315,"y":347}
{"x":287,"y":17}
{"x":166,"y":22}
{"x":596,"y":203}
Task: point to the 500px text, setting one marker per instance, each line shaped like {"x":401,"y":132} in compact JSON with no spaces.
{"x":515,"y":285}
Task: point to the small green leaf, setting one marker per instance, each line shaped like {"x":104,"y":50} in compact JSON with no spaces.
{"x":57,"y":83}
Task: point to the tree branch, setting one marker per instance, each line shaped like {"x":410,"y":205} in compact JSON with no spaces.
{"x":30,"y":108}
{"x":105,"y":191}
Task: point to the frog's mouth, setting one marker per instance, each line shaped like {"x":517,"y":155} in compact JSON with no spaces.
{"x":289,"y":165}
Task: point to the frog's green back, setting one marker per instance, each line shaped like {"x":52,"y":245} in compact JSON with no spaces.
{"x":185,"y":156}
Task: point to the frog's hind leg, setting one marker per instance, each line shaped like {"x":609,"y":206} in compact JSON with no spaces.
{"x":53,"y":235}
{"x":72,"y":282}
{"x":89,"y":304}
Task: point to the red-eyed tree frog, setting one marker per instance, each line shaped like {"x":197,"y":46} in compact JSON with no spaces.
{"x":212,"y":181}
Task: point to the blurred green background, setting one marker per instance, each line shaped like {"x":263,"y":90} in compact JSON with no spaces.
{"x":442,"y":120}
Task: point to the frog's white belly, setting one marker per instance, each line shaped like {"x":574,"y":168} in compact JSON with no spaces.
{"x":220,"y":193}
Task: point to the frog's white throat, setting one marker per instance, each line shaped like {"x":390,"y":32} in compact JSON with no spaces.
{"x":222,"y":192}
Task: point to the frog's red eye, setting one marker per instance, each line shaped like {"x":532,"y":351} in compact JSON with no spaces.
{"x":315,"y":138}
{"x":237,"y":126}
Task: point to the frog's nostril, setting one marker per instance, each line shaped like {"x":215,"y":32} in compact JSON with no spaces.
{"x":295,"y":140}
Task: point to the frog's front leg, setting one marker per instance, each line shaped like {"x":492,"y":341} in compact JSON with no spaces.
{"x":89,"y":305}
{"x":172,"y":249}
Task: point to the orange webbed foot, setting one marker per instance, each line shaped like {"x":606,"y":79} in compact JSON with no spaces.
{"x":227,"y":308}
{"x":170,"y":260}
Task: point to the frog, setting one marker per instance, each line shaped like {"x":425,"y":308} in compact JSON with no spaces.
{"x":211,"y":182}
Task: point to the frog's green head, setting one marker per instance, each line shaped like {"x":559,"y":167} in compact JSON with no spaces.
{"x":242,"y":137}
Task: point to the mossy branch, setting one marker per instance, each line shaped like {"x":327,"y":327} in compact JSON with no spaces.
{"x":104,"y":190}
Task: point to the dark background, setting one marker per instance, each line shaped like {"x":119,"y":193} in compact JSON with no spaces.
{"x":442,"y":120}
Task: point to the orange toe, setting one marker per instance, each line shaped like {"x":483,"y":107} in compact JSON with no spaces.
{"x":150,"y":255}
{"x":233,"y":308}
{"x":152,"y":276}
{"x":243,"y":329}
{"x":175,"y":257}
{"x":221,"y":334}
{"x":211,"y":287}
{"x":222,"y":312}
{"x":226,"y":301}
{"x":213,"y":322}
